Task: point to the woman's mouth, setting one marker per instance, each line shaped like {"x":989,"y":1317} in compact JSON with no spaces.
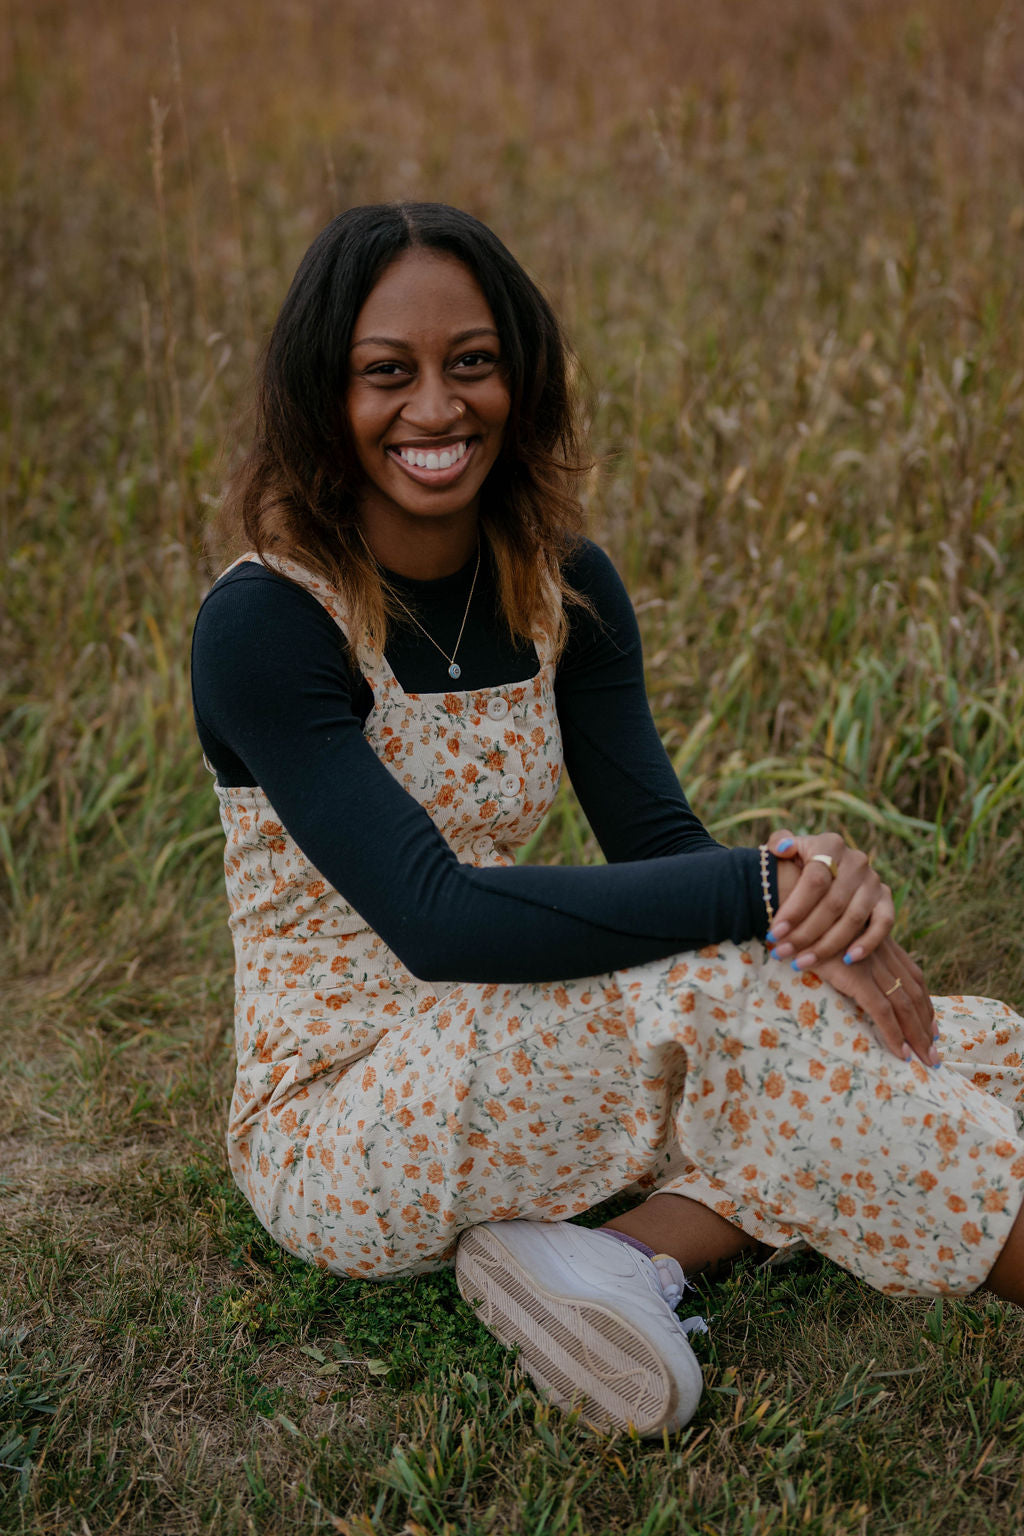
{"x":434,"y":466}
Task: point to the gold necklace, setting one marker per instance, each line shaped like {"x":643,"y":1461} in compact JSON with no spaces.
{"x":454,"y":670}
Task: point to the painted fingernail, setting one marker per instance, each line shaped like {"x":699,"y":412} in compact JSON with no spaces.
{"x":787,"y":842}
{"x":848,"y":958}
{"x":805,"y":961}
{"x":934,"y":1059}
{"x":907,"y":1053}
{"x":936,"y":1030}
{"x":780,"y":929}
{"x":853,"y":955}
{"x":771,"y":937}
{"x":783,"y":951}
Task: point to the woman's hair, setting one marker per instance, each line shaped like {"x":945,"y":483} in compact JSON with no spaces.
{"x":297,"y":492}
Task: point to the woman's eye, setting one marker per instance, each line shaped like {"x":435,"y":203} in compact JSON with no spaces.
{"x":386,"y":370}
{"x":470,"y":360}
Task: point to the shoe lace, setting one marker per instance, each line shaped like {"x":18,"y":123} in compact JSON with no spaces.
{"x":671,"y":1279}
{"x":673,"y":1283}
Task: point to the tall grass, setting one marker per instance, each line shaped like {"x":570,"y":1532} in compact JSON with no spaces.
{"x":787,"y":240}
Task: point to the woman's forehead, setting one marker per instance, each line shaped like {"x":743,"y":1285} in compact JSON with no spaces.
{"x":421,"y":289}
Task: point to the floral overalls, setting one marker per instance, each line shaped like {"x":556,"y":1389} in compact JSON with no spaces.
{"x":375,"y":1115}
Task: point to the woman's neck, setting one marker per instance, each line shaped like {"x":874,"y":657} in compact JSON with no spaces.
{"x":420,"y":548}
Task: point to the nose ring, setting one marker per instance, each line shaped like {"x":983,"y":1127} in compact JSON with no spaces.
{"x":460,"y":409}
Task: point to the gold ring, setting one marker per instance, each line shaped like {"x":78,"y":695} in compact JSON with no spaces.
{"x":828,"y":861}
{"x":460,"y":408}
{"x":895,"y":987}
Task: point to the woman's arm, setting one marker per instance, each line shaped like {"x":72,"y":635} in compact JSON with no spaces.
{"x":622,"y":775}
{"x":633,"y":801}
{"x":274,"y":705}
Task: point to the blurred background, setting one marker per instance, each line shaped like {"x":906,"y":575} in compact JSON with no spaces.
{"x":786,"y":238}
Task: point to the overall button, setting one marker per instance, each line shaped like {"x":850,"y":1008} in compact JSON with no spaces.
{"x":483,"y":844}
{"x":497,"y":708}
{"x":510,"y":784}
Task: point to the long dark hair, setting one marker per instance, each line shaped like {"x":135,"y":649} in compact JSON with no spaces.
{"x":297,"y":492}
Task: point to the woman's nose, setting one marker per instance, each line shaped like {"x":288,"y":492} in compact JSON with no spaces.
{"x":433,"y":407}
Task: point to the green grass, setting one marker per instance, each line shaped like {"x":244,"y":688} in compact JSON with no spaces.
{"x":788,"y":242}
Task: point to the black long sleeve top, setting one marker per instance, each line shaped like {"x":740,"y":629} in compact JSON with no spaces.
{"x":279,"y":704}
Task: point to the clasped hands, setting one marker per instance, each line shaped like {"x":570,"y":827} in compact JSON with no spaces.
{"x":838,"y":925}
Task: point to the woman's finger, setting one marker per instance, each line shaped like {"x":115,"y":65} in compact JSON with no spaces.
{"x":883,"y":1016}
{"x":818,"y":903}
{"x":783,"y":844}
{"x":883,"y":915}
{"x":904,"y":999}
{"x":815,"y":882}
{"x":805,"y":949}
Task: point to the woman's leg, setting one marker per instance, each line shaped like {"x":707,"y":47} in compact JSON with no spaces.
{"x":696,"y":1237}
{"x":699,"y":1239}
{"x":1006,"y":1277}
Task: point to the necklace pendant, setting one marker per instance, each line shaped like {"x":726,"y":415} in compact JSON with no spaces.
{"x":454,"y":670}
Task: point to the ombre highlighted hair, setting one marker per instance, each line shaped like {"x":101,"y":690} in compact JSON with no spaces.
{"x":297,"y":492}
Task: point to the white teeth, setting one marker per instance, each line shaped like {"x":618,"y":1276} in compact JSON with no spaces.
{"x":443,"y":460}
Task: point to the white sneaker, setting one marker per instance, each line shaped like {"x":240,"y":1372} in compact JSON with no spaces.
{"x":594,"y":1319}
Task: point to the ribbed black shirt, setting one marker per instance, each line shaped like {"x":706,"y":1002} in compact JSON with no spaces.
{"x":278,"y":704}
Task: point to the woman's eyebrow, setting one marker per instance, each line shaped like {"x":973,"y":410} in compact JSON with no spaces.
{"x":404,"y":346}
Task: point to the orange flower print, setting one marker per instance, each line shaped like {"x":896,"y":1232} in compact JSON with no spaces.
{"x":386,"y":1114}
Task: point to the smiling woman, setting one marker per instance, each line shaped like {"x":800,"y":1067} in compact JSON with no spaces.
{"x":408,"y":328}
{"x":442,"y":1053}
{"x":427,"y":406}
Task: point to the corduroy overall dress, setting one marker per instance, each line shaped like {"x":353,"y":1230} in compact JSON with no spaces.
{"x":376,"y":1116}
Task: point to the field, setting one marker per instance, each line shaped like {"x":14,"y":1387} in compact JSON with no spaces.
{"x":787,"y":239}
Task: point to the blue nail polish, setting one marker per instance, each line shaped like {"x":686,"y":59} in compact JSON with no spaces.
{"x":770,"y":937}
{"x":793,"y":965}
{"x":787,"y":842}
{"x":847,"y":959}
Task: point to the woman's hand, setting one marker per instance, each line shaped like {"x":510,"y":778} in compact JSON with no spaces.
{"x":849,"y":912}
{"x":891,"y":990}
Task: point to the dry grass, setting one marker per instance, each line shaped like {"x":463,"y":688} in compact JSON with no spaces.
{"x":787,"y":239}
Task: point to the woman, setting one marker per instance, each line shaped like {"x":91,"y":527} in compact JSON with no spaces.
{"x":439,"y":1046}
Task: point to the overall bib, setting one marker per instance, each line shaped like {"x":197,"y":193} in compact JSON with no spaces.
{"x":375,"y":1115}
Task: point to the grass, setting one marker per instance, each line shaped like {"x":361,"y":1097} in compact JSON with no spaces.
{"x":787,"y":240}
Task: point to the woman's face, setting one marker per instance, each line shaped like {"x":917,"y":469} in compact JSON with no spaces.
{"x":427,"y":400}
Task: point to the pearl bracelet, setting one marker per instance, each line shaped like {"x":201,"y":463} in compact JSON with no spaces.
{"x":766,"y":889}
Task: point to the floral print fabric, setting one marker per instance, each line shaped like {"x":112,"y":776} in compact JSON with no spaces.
{"x":375,"y":1116}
